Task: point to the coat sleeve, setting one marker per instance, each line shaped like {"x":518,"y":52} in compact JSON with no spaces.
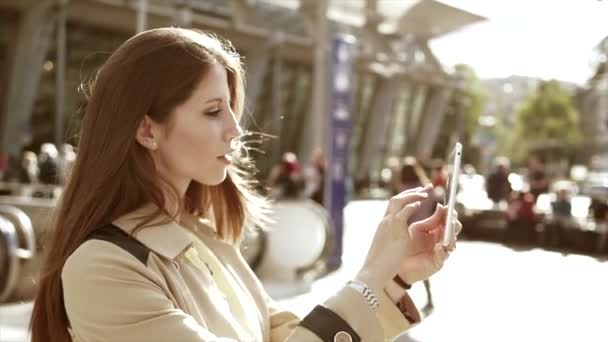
{"x":345,"y":312}
{"x":111,"y":296}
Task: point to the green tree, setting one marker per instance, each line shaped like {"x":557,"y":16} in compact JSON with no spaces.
{"x":462,"y":113}
{"x":547,"y":123}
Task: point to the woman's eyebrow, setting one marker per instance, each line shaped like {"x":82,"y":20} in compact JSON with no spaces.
{"x":215,"y":99}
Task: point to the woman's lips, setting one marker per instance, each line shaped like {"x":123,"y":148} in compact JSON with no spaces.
{"x":226,"y":159}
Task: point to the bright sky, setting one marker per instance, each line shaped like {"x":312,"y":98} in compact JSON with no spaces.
{"x":539,"y":38}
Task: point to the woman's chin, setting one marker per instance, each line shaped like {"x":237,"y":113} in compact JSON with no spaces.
{"x":212,"y":181}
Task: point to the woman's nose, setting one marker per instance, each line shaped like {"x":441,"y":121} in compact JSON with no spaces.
{"x":234,"y":130}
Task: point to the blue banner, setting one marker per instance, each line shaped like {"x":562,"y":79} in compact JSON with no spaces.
{"x":338,"y":139}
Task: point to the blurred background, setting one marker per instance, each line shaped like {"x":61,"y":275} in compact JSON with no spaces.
{"x":360,"y":99}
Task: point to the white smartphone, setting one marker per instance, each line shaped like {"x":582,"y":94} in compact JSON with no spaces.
{"x":451,"y":191}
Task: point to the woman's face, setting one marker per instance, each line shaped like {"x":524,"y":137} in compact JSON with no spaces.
{"x":195,"y":143}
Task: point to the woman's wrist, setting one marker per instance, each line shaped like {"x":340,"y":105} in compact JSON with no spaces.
{"x":371,"y":281}
{"x":394,"y":291}
{"x":399,"y":280}
{"x":408,"y":277}
{"x":366,"y":292}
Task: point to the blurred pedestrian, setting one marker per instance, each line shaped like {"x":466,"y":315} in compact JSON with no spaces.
{"x":314,"y":176}
{"x":12,"y":170}
{"x":537,"y":177}
{"x":497,"y":184}
{"x":66,"y":159}
{"x":562,"y":207}
{"x":598,"y":208}
{"x":29,"y":166}
{"x":599,"y":212}
{"x":560,"y":219}
{"x":144,"y":246}
{"x":23,"y":169}
{"x":48,"y":164}
{"x":438,"y":173}
{"x":521,"y":217}
{"x":285,"y":180}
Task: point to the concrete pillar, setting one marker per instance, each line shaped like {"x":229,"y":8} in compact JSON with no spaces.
{"x":315,"y":126}
{"x":432,"y":120}
{"x":141,"y":22}
{"x":60,"y":71}
{"x":34,"y":35}
{"x":257,"y":63}
{"x":420,"y":99}
{"x":277,"y":105}
{"x":398,"y":138}
{"x":243,"y":13}
{"x":374,"y":136}
{"x":183,"y":13}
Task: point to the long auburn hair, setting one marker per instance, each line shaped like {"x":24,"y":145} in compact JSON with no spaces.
{"x":151,"y":73}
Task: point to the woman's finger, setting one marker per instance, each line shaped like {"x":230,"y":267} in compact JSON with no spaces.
{"x":440,"y":255}
{"x":404,"y":195}
{"x":397,"y":203}
{"x":433,"y":221}
{"x":426,"y":189}
{"x":404,"y":214}
{"x":451,"y":247}
{"x":458,"y":226}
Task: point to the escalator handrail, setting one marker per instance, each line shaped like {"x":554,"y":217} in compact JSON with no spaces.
{"x":7,"y":229}
{"x":24,"y":227}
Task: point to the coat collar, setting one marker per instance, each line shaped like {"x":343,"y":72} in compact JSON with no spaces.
{"x":163,"y":235}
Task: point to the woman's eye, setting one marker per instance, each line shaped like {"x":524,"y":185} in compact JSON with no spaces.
{"x":213,"y":113}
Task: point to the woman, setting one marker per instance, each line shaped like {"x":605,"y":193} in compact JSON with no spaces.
{"x":145,"y":243}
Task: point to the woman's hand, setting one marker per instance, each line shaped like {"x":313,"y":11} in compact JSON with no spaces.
{"x":391,"y":242}
{"x":426,"y":254}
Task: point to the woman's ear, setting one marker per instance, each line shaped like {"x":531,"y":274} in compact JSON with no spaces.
{"x":147,"y":132}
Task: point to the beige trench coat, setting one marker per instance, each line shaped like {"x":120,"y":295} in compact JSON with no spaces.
{"x":122,"y":288}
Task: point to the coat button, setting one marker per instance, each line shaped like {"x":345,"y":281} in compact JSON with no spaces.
{"x":343,"y":336}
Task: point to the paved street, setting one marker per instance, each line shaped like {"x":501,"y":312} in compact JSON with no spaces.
{"x":486,"y":292}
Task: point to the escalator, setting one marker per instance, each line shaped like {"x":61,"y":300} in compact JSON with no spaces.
{"x":17,"y":252}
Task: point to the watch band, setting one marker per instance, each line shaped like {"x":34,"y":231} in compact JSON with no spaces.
{"x":370,"y":297}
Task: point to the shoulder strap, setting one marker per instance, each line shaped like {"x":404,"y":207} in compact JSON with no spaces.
{"x":122,"y":239}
